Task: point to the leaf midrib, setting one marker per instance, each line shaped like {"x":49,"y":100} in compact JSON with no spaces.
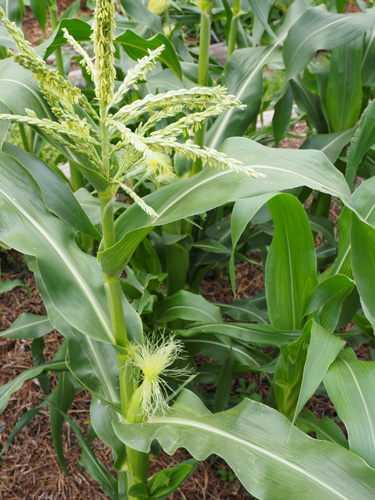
{"x":226,"y":435}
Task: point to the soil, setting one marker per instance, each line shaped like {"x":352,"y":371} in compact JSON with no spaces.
{"x":33,"y":31}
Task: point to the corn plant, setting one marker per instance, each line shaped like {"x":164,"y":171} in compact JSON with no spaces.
{"x":138,"y":378}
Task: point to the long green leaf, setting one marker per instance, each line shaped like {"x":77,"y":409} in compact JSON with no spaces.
{"x":242,"y":213}
{"x":325,"y":289}
{"x":362,"y":140}
{"x":310,"y":104}
{"x":350,"y":383}
{"x":135,"y":45}
{"x":188,"y":306}
{"x":213,"y":347}
{"x":28,"y":326}
{"x":244,"y":310}
{"x":322,"y":351}
{"x":318,"y":29}
{"x":243,"y":76}
{"x":62,"y":398}
{"x":252,"y":333}
{"x":13,"y":386}
{"x":282,"y":115}
{"x":91,"y":462}
{"x":330,"y":144}
{"x":284,"y":169}
{"x":295,"y":467}
{"x":363,"y":200}
{"x":291,"y":263}
{"x":8,"y":285}
{"x":261,"y":10}
{"x":26,"y":418}
{"x":368,"y":69}
{"x":70,"y":276}
{"x":92,"y":363}
{"x":344,"y":90}
{"x":101,"y":417}
{"x":325,"y":429}
{"x":56,"y":193}
{"x":363,"y":261}
{"x":39,"y":11}
{"x":19,"y":91}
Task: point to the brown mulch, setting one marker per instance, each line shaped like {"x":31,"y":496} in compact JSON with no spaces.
{"x":216,"y":286}
{"x":352,"y":8}
{"x":33,"y":31}
{"x":300,"y":129}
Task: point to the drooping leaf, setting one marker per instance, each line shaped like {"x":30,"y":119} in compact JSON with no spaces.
{"x":323,"y":349}
{"x":283,"y":169}
{"x":224,"y":384}
{"x":243,"y":78}
{"x":26,"y":418}
{"x":62,"y":397}
{"x":8,"y":285}
{"x":326,"y":289}
{"x":330,"y":144}
{"x":188,"y":306}
{"x":13,"y":386}
{"x":211,"y":346}
{"x":294,"y":467}
{"x":325,"y":429}
{"x":56,"y":193}
{"x":28,"y":326}
{"x":70,"y":276}
{"x":95,"y":467}
{"x":244,"y":310}
{"x":243,"y":212}
{"x":261,"y":10}
{"x":92,"y":363}
{"x":252,"y":333}
{"x":318,"y":29}
{"x":310,"y":104}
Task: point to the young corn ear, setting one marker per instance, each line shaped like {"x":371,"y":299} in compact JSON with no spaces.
{"x":154,"y":358}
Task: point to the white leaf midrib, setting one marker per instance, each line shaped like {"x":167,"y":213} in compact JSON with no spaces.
{"x":226,"y":435}
{"x":65,"y":259}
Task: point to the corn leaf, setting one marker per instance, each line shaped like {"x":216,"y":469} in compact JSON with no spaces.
{"x":285,"y":463}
